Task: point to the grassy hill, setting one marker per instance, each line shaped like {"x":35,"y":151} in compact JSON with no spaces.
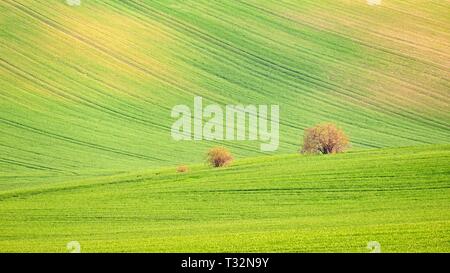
{"x":289,"y":203}
{"x":90,"y":87}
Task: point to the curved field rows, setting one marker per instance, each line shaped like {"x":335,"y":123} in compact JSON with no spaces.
{"x":86,"y":152}
{"x":88,"y":89}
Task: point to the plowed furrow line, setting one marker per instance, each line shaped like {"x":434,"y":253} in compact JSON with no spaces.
{"x":75,"y":141}
{"x":28,"y":165}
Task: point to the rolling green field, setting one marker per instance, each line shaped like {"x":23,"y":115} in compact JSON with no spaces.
{"x":98,"y":81}
{"x":86,"y":152}
{"x":398,"y":197}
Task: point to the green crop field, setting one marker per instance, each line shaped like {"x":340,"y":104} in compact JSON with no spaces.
{"x":86,"y":152}
{"x":289,"y":203}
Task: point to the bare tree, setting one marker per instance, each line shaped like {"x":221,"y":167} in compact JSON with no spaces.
{"x":324,"y":138}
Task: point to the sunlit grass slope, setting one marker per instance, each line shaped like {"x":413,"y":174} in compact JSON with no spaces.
{"x":89,"y":89}
{"x":398,"y":197}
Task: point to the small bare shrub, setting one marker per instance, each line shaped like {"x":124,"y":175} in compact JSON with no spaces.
{"x":219,"y":157}
{"x":182,"y":169}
